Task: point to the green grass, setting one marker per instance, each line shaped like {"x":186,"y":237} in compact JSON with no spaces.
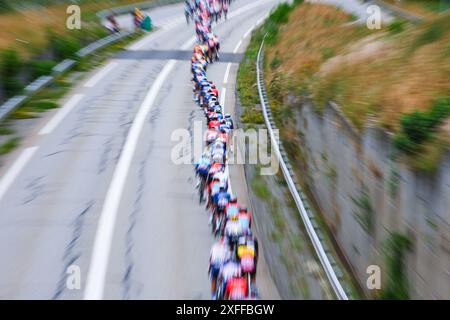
{"x":260,"y":188}
{"x":8,"y":146}
{"x":435,"y":5}
{"x":432,"y":34}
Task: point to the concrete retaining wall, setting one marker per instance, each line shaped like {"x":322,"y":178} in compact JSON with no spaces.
{"x":364,"y":194}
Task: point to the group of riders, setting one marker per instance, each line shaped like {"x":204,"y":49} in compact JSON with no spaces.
{"x":215,"y":8}
{"x":234,"y":255}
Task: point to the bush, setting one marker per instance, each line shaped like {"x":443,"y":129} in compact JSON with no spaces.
{"x":43,"y":105}
{"x":395,"y":250}
{"x":440,"y":110}
{"x":40,"y":68}
{"x":275,"y":63}
{"x":10,"y":67}
{"x":252,"y":115}
{"x":5,"y":5}
{"x":418,"y":126}
{"x":280,"y":14}
{"x":433,"y":33}
{"x":62,"y":46}
{"x":396,"y":26}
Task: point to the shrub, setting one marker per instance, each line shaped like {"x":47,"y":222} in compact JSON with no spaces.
{"x":252,"y":115}
{"x":275,"y":63}
{"x":5,"y":5}
{"x":40,"y":68}
{"x":433,"y":33}
{"x":43,"y":105}
{"x":280,"y":14}
{"x":8,"y":146}
{"x":440,"y":110}
{"x":396,"y":26}
{"x":327,"y":53}
{"x":418,"y":126}
{"x":10,"y":67}
{"x":272,"y":32}
{"x":395,"y":249}
{"x":62,"y":46}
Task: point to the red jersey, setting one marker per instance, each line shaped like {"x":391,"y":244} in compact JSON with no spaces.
{"x":213,"y":124}
{"x":236,"y":289}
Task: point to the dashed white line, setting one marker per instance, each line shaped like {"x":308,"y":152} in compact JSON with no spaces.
{"x":223,"y":94}
{"x":100,"y":74}
{"x":15,"y":169}
{"x":64,"y":111}
{"x":103,"y":239}
{"x":227,"y":73}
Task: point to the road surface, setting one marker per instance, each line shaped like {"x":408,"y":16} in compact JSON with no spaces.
{"x":93,"y":187}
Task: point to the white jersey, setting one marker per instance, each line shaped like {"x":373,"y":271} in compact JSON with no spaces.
{"x":230,"y":270}
{"x":219,"y":253}
{"x":223,"y":178}
{"x":233,"y":228}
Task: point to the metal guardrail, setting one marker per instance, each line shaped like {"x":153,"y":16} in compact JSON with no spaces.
{"x":12,"y":104}
{"x":102,"y":43}
{"x":299,"y":197}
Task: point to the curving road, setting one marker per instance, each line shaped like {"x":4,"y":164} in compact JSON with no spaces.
{"x":94,"y":187}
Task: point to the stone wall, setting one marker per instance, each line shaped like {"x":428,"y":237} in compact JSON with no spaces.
{"x":364,"y":194}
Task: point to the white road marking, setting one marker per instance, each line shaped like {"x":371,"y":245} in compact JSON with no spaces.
{"x":237,"y":46}
{"x":15,"y":169}
{"x":64,"y":111}
{"x":223,"y":94}
{"x":227,"y":73}
{"x":248,"y":7}
{"x":100,"y":74}
{"x":103,"y":239}
{"x":248,"y":31}
{"x":153,"y":36}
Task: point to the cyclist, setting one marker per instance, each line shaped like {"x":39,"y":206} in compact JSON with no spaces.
{"x":230,"y":269}
{"x":218,"y":255}
{"x":233,"y":208}
{"x":245,"y":218}
{"x":236,"y":289}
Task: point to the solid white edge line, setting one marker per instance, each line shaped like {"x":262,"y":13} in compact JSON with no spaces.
{"x":95,"y":282}
{"x":102,"y":245}
{"x":62,"y":113}
{"x":237,"y":46}
{"x":15,"y":169}
{"x":249,"y":31}
{"x":100,"y":74}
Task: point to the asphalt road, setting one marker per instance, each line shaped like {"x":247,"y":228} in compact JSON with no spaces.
{"x":93,"y":188}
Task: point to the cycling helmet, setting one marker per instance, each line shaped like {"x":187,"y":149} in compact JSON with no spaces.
{"x":233,"y":199}
{"x":243,"y":210}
